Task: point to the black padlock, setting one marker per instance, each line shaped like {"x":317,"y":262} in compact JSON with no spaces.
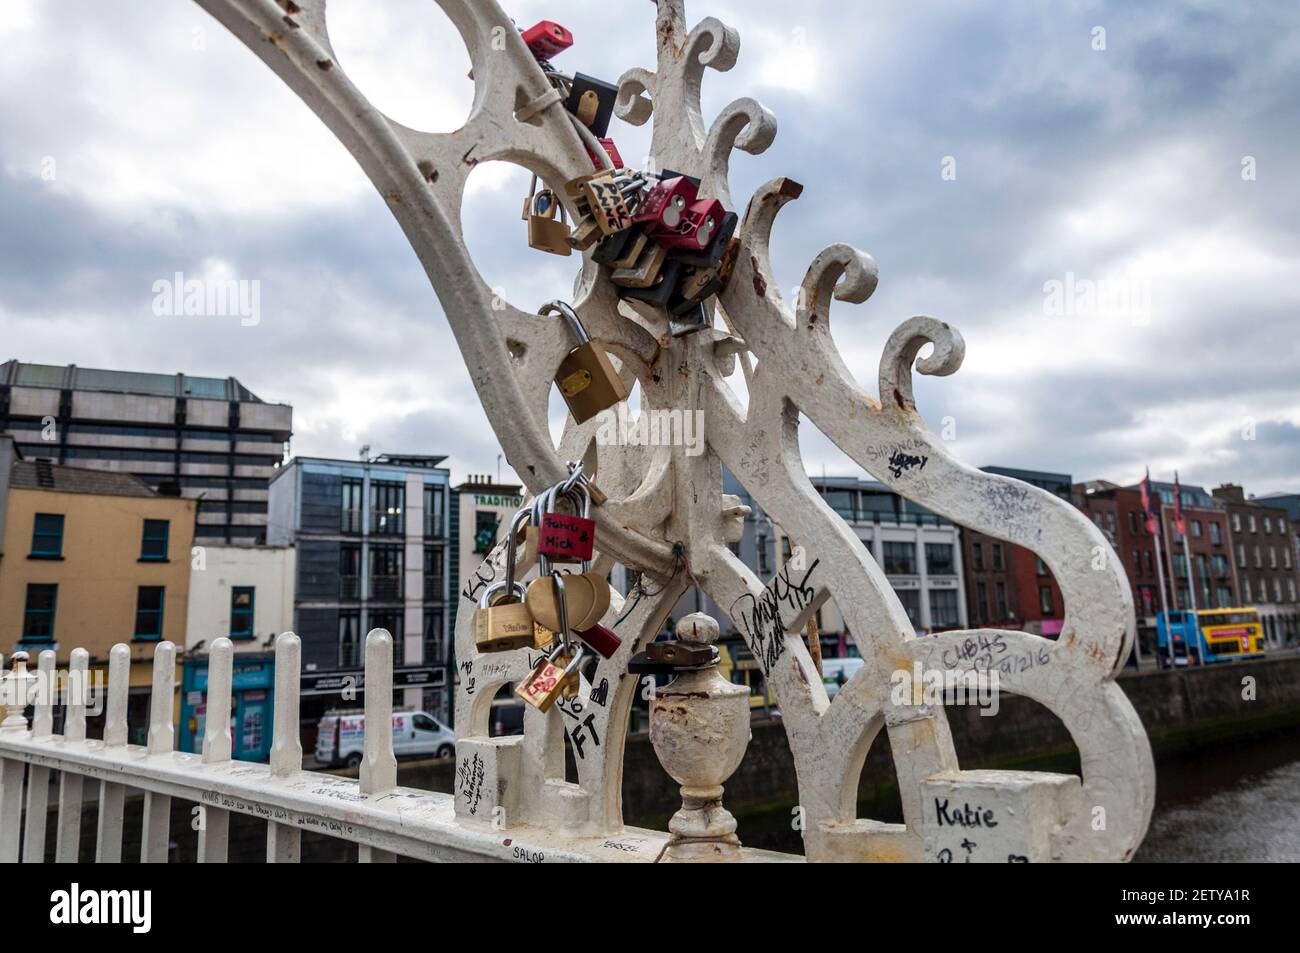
{"x":662,"y":291}
{"x":592,"y":101}
{"x":613,"y":247}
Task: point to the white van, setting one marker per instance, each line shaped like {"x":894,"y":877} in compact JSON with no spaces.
{"x":340,"y":737}
{"x":837,"y":671}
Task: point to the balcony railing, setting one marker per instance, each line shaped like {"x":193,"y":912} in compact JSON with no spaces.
{"x":385,"y":587}
{"x":384,"y":523}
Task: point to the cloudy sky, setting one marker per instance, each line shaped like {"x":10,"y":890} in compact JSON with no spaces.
{"x":1103,"y":197}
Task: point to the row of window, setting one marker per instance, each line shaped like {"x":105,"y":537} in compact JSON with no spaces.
{"x":1260,"y":590}
{"x":977,"y":556}
{"x":387,"y":508}
{"x":47,"y":538}
{"x":1252,"y":525}
{"x":129,"y":454}
{"x":43,"y":599}
{"x":943,"y":607}
{"x":1259,"y":557}
{"x":386,"y":570}
{"x":351,"y":638}
{"x":163,"y":432}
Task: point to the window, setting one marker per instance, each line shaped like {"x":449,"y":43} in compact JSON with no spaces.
{"x":432,"y":573}
{"x":386,"y":502}
{"x":760,"y":543}
{"x":38,"y":615}
{"x":385,"y":572}
{"x":1223,"y":596}
{"x":1040,"y":567}
{"x":1045,"y":599}
{"x":1236,"y":522}
{"x":1268,"y":524}
{"x":241,"y":612}
{"x":1184,"y":600}
{"x":433,"y":636}
{"x":424,"y":722}
{"x":1290,"y":587}
{"x":1001,"y":589}
{"x":349,"y":571}
{"x":1137,"y":562}
{"x":391,"y":619}
{"x":841,"y":501}
{"x":1250,"y":521}
{"x":938,"y":559}
{"x":47,"y":536}
{"x":977,"y":555}
{"x":485,"y":530}
{"x":1241,"y":556}
{"x":900,"y":558}
{"x":350,"y":515}
{"x":1277,"y":589}
{"x":1259,"y":559}
{"x":1216,"y":534}
{"x":1245,"y":582}
{"x":432,"y":510}
{"x":1196,"y":529}
{"x":153,"y":542}
{"x":349,"y":639}
{"x":149,"y":612}
{"x":1132,"y":522}
{"x":997,"y":555}
{"x":911,"y":600}
{"x":1220,"y":563}
{"x":1272,"y":557}
{"x":981,"y":603}
{"x":943,"y":608}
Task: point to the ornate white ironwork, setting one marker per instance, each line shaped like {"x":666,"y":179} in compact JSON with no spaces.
{"x":667,"y":516}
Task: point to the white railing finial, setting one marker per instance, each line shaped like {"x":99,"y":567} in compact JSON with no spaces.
{"x":43,"y":716}
{"x":379,"y":764}
{"x":216,"y":724}
{"x":119,"y":690}
{"x":161,"y":703}
{"x":286,"y":745}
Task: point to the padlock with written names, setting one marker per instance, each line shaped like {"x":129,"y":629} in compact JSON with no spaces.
{"x":665,"y":204}
{"x":567,"y":537}
{"x":554,"y":675}
{"x":586,"y":378}
{"x":696,"y":229}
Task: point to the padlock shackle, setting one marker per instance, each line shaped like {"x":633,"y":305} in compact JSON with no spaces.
{"x":516,"y":588}
{"x":520,"y":517}
{"x":565,"y":310}
{"x":561,"y":607}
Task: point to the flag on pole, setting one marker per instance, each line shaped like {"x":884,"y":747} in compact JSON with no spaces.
{"x":1148,"y":511}
{"x":1179,"y":523}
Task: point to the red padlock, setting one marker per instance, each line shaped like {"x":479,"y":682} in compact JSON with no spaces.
{"x":546,"y":39}
{"x":611,"y":150}
{"x":665,"y":204}
{"x":566,"y":539}
{"x":700,"y":223}
{"x":601,"y":640}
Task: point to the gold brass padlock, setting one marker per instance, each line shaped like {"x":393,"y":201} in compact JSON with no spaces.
{"x":551,"y":677}
{"x":586,"y":378}
{"x":608,"y":205}
{"x":546,"y":232}
{"x":502,"y":621}
{"x":646,"y":270}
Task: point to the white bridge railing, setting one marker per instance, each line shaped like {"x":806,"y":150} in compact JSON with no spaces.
{"x":373,"y":812}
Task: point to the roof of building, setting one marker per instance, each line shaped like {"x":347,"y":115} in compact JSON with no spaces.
{"x":72,"y":377}
{"x":43,"y":475}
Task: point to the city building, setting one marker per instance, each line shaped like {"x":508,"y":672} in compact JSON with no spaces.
{"x":1209,"y":581}
{"x":1008,"y":586}
{"x":240,"y":591}
{"x":919,"y":551}
{"x":1117,"y":512}
{"x":92,"y":558}
{"x":211,"y":437}
{"x":481,"y":509}
{"x":1267,"y":573}
{"x":371,"y":541}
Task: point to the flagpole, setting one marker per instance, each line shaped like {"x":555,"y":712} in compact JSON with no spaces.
{"x":1164,"y":605}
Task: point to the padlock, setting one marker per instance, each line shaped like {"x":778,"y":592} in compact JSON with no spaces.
{"x":611,"y":150}
{"x":586,"y":378}
{"x":695,"y":231}
{"x":665,"y":203}
{"x":552,"y":675}
{"x":600,"y":640}
{"x":543,"y":598}
{"x":592,"y":101}
{"x":646,"y":272}
{"x":681,"y":654}
{"x":503,"y":624}
{"x":697,"y":318}
{"x":546,"y":232}
{"x":603,"y":193}
{"x":568,"y":538}
{"x":715,"y":254}
{"x":616,"y":247}
{"x":665,"y":287}
{"x":546,"y":39}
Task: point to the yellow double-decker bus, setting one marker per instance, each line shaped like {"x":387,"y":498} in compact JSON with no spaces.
{"x":1230,"y":633}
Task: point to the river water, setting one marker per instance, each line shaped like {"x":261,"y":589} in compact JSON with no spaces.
{"x":1228,"y":805}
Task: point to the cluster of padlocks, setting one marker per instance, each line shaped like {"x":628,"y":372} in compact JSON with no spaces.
{"x":661,"y":243}
{"x":559,"y":612}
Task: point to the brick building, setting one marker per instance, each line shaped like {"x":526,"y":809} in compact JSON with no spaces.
{"x":1265,"y":564}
